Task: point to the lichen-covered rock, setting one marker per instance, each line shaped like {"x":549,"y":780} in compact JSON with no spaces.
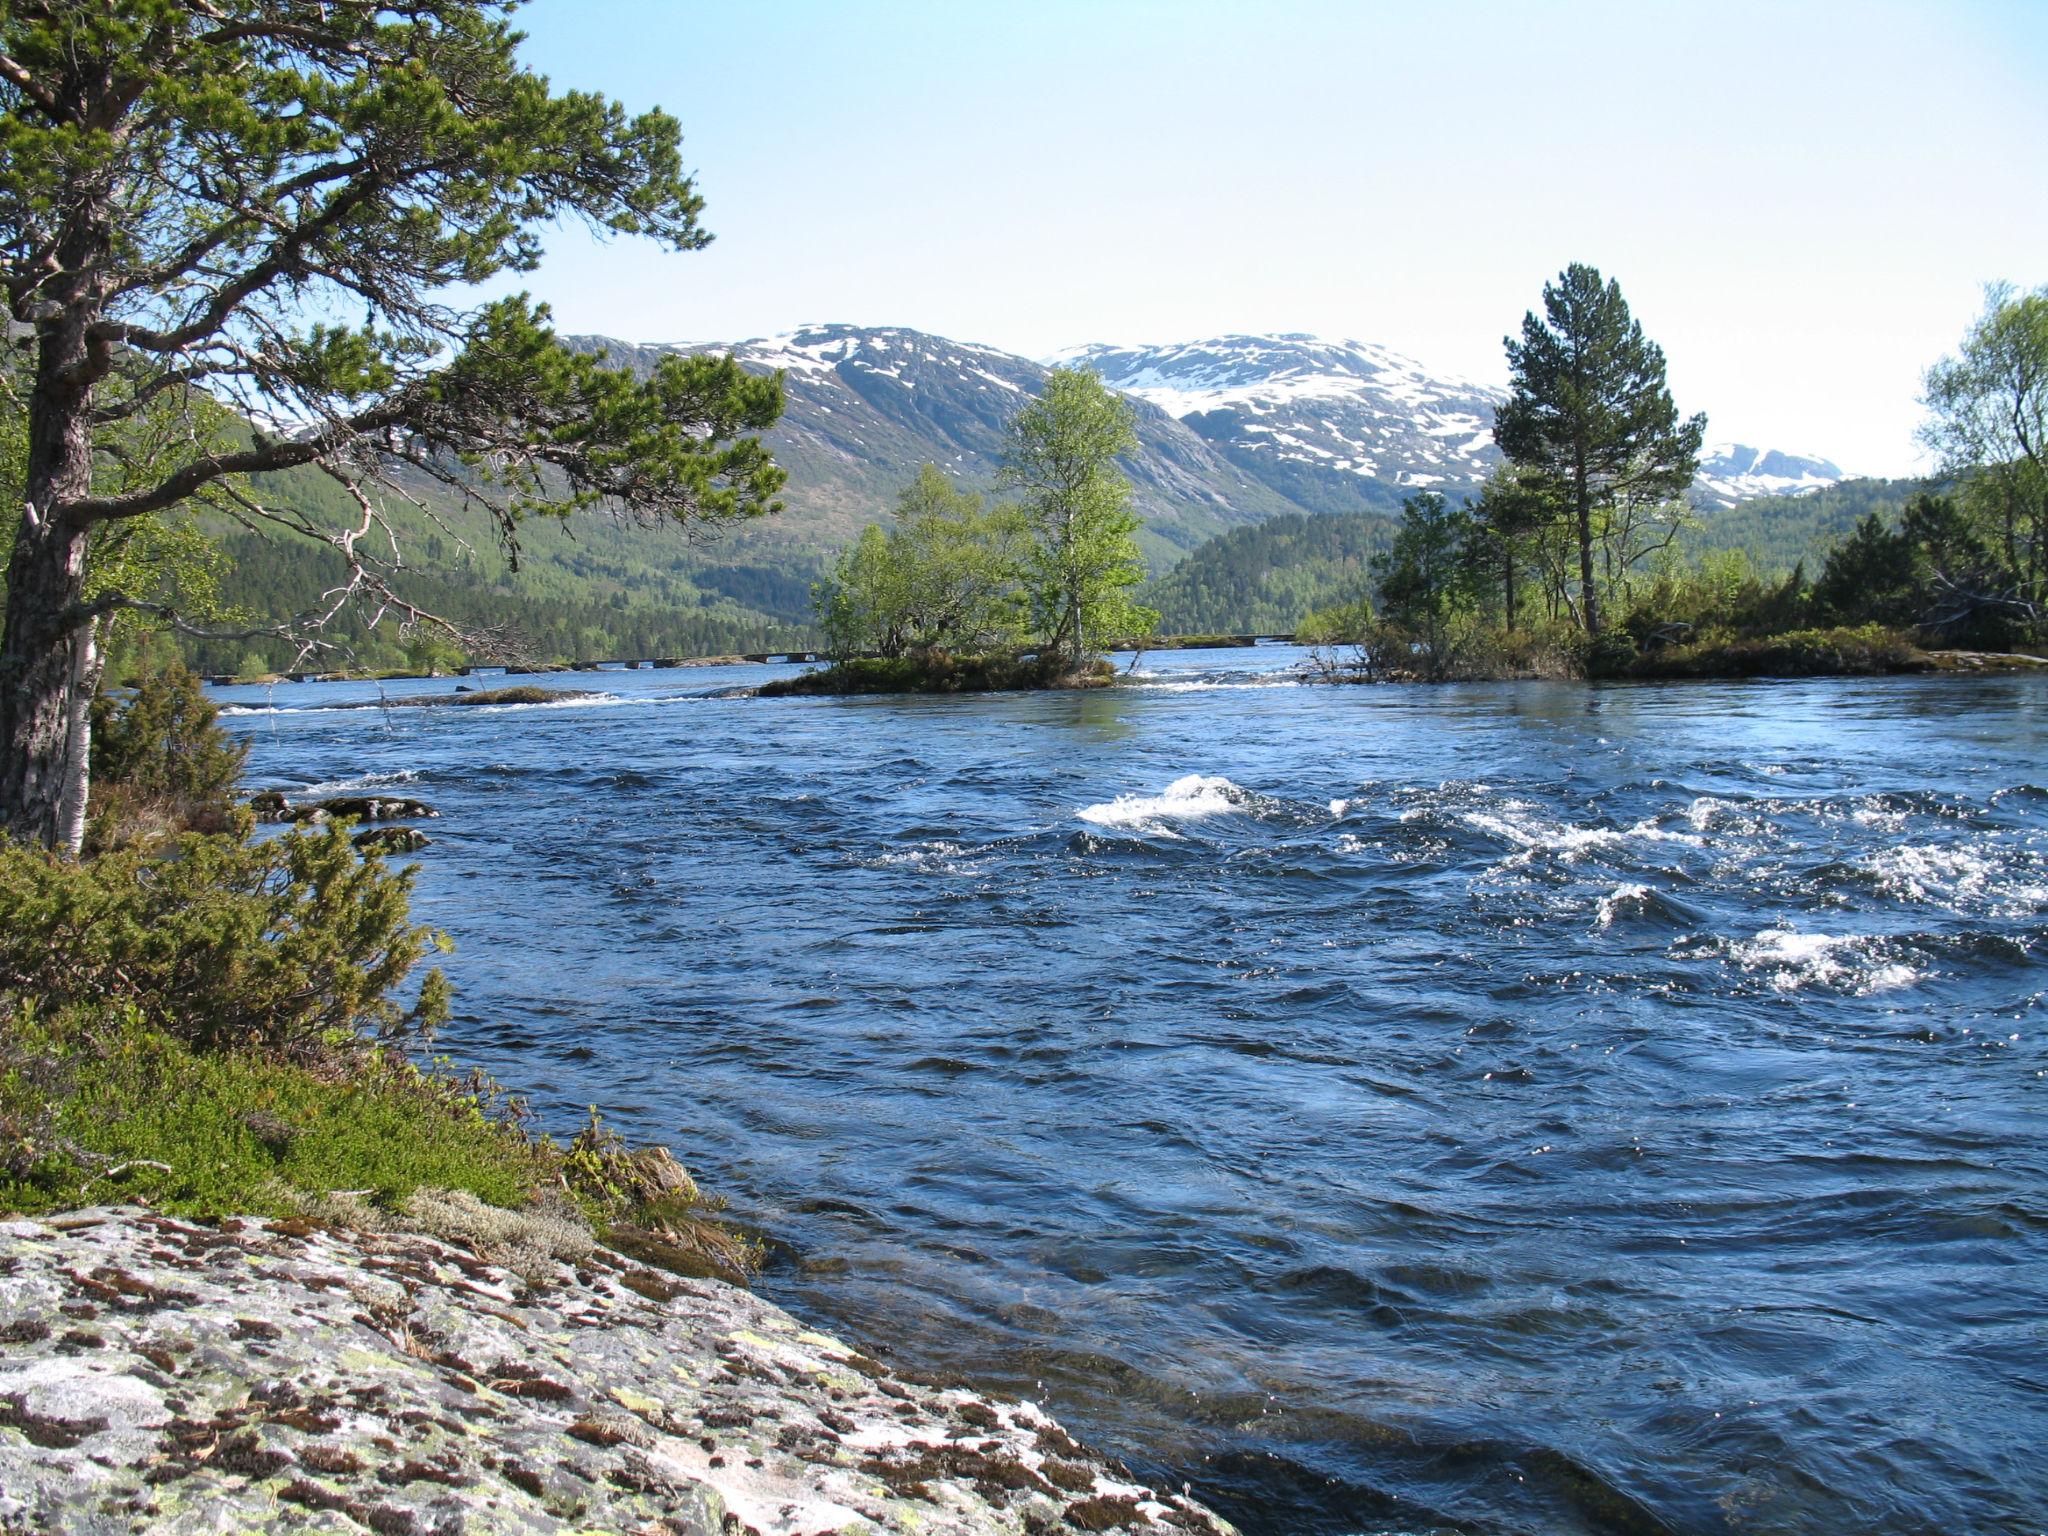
{"x":164,"y":1376}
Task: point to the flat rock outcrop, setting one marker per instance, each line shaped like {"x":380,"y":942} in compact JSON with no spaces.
{"x":167,"y":1376}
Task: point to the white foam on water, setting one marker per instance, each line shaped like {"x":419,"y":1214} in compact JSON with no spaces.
{"x":1879,"y":817}
{"x":1622,"y":901}
{"x":571,"y":701}
{"x":1532,"y":836}
{"x":362,"y":782}
{"x":1851,"y":963}
{"x":938,"y":857}
{"x":1648,"y":830}
{"x":1960,"y":879}
{"x":1193,"y":797}
{"x":1211,"y":685}
{"x":1709,"y":813}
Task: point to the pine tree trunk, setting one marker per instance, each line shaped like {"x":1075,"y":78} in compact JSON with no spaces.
{"x":1589,"y":598}
{"x":46,"y":652}
{"x":1507,"y":571}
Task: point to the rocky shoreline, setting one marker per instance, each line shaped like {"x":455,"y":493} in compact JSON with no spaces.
{"x":169,"y":1376}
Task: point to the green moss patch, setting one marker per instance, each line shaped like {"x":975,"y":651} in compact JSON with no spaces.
{"x":105,"y":1108}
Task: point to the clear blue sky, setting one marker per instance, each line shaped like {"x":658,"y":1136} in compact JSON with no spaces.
{"x":1802,"y":201}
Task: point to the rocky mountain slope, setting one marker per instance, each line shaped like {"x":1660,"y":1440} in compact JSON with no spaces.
{"x":1333,"y":425}
{"x":868,"y":405}
{"x":1349,"y":426}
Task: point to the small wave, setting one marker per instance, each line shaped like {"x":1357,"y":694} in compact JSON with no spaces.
{"x":571,"y":701}
{"x":1710,"y":813}
{"x":1532,"y":836}
{"x":1854,"y":963}
{"x":1191,"y":798}
{"x":361,"y":782}
{"x":1623,"y":901}
{"x":1961,"y":879}
{"x":1150,"y":683}
{"x":938,"y":857}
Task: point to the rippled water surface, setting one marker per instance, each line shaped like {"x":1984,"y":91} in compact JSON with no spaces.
{"x":1514,"y":1108}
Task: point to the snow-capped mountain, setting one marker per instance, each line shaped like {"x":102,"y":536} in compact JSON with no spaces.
{"x":1732,"y":472}
{"x":1329,"y":407}
{"x":1232,"y":430}
{"x":866,"y":405}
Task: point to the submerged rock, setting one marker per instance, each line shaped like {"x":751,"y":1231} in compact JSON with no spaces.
{"x":392,"y":839}
{"x":375,"y":808}
{"x":159,"y":1375}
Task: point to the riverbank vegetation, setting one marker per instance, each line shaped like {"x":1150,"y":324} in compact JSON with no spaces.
{"x":959,"y":596}
{"x":1571,"y":560}
{"x":1885,"y":598}
{"x":215,"y":1023}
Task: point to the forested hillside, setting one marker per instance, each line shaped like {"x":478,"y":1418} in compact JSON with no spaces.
{"x":1289,"y":512}
{"x":591,"y":587}
{"x":1267,"y":577}
{"x":1778,"y":532}
{"x":1270,"y":576}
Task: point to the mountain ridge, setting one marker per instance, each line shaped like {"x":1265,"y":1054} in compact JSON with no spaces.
{"x":1233,"y":428}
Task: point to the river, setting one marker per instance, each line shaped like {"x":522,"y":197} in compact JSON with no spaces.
{"x":1503,"y":1108}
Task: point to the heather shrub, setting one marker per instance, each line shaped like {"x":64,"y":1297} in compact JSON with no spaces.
{"x":292,"y":946}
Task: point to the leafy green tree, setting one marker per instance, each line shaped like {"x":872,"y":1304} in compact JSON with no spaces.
{"x":1988,"y":422}
{"x":1430,"y":585}
{"x":190,"y":195}
{"x":1588,"y":410}
{"x":864,"y":605}
{"x":430,"y":650}
{"x":1340,"y":624}
{"x":963,"y":563}
{"x":946,"y":577}
{"x":1061,"y":453}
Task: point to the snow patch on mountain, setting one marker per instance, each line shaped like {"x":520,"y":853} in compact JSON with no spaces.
{"x":1732,"y":472}
{"x":1348,"y":406}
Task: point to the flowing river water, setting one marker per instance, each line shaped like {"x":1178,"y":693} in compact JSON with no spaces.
{"x":1498,"y":1108}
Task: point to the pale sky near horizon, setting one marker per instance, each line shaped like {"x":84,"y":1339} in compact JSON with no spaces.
{"x":1801,"y":201}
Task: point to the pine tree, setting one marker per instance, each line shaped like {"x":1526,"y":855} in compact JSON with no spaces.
{"x":192,"y":195}
{"x":1588,"y":409}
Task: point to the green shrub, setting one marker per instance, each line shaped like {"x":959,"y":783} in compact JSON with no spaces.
{"x":936,"y":672}
{"x":160,"y":762}
{"x":291,"y":946}
{"x":1611,"y":653}
{"x":1866,"y":650}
